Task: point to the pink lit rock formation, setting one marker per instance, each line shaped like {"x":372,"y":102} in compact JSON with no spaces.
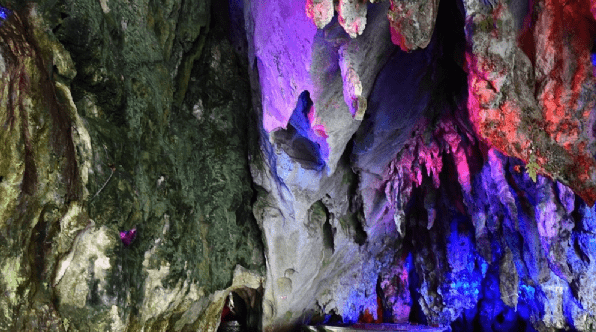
{"x":320,"y":11}
{"x":352,"y":16}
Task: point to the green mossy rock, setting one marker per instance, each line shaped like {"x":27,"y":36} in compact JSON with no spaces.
{"x":141,"y":124}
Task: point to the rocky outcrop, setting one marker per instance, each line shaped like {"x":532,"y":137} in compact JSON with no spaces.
{"x":412,"y":23}
{"x":315,"y":97}
{"x":108,"y":129}
{"x":292,"y":57}
{"x":429,"y":159}
{"x":535,"y":105}
{"x":172,"y":165}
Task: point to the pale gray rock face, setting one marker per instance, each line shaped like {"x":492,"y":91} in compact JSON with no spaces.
{"x":316,"y":260}
{"x":83,"y":276}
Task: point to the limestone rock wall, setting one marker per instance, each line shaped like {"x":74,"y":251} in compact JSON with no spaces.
{"x":321,"y":161}
{"x":124,"y":175}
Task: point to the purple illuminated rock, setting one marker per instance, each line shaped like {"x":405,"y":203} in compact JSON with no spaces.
{"x":282,"y":40}
{"x":298,"y":203}
{"x":395,"y":285}
{"x":566,"y":197}
{"x":316,"y":245}
{"x":292,"y":57}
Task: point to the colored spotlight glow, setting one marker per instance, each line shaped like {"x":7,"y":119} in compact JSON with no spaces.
{"x":4,"y":12}
{"x":128,"y":236}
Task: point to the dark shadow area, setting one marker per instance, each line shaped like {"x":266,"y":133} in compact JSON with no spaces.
{"x":328,"y":233}
{"x":423,"y":83}
{"x":297,"y":140}
{"x":242,"y":311}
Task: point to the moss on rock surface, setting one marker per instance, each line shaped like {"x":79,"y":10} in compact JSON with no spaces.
{"x":157,"y":111}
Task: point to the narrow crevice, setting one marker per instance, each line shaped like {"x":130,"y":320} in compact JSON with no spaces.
{"x":355,"y":218}
{"x":328,"y":233}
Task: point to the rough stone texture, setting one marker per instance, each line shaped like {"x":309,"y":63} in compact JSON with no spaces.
{"x":352,"y":16}
{"x":312,"y":232}
{"x":412,"y":22}
{"x":120,"y":116}
{"x":292,"y":57}
{"x":450,"y":185}
{"x":540,"y":114}
{"x":522,"y":263}
{"x":395,"y":287}
{"x":565,"y":90}
{"x":410,"y":92}
{"x":42,"y":180}
{"x":320,"y":11}
{"x":534,"y":266}
{"x":316,"y":248}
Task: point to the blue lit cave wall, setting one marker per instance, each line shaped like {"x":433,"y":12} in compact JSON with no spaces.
{"x":190,"y":165}
{"x":456,"y":231}
{"x":531,"y":265}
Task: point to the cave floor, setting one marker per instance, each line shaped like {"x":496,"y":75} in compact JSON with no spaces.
{"x":377,"y":327}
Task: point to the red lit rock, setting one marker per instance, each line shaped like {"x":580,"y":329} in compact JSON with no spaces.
{"x":551,"y":126}
{"x":565,"y":89}
{"x":498,"y":83}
